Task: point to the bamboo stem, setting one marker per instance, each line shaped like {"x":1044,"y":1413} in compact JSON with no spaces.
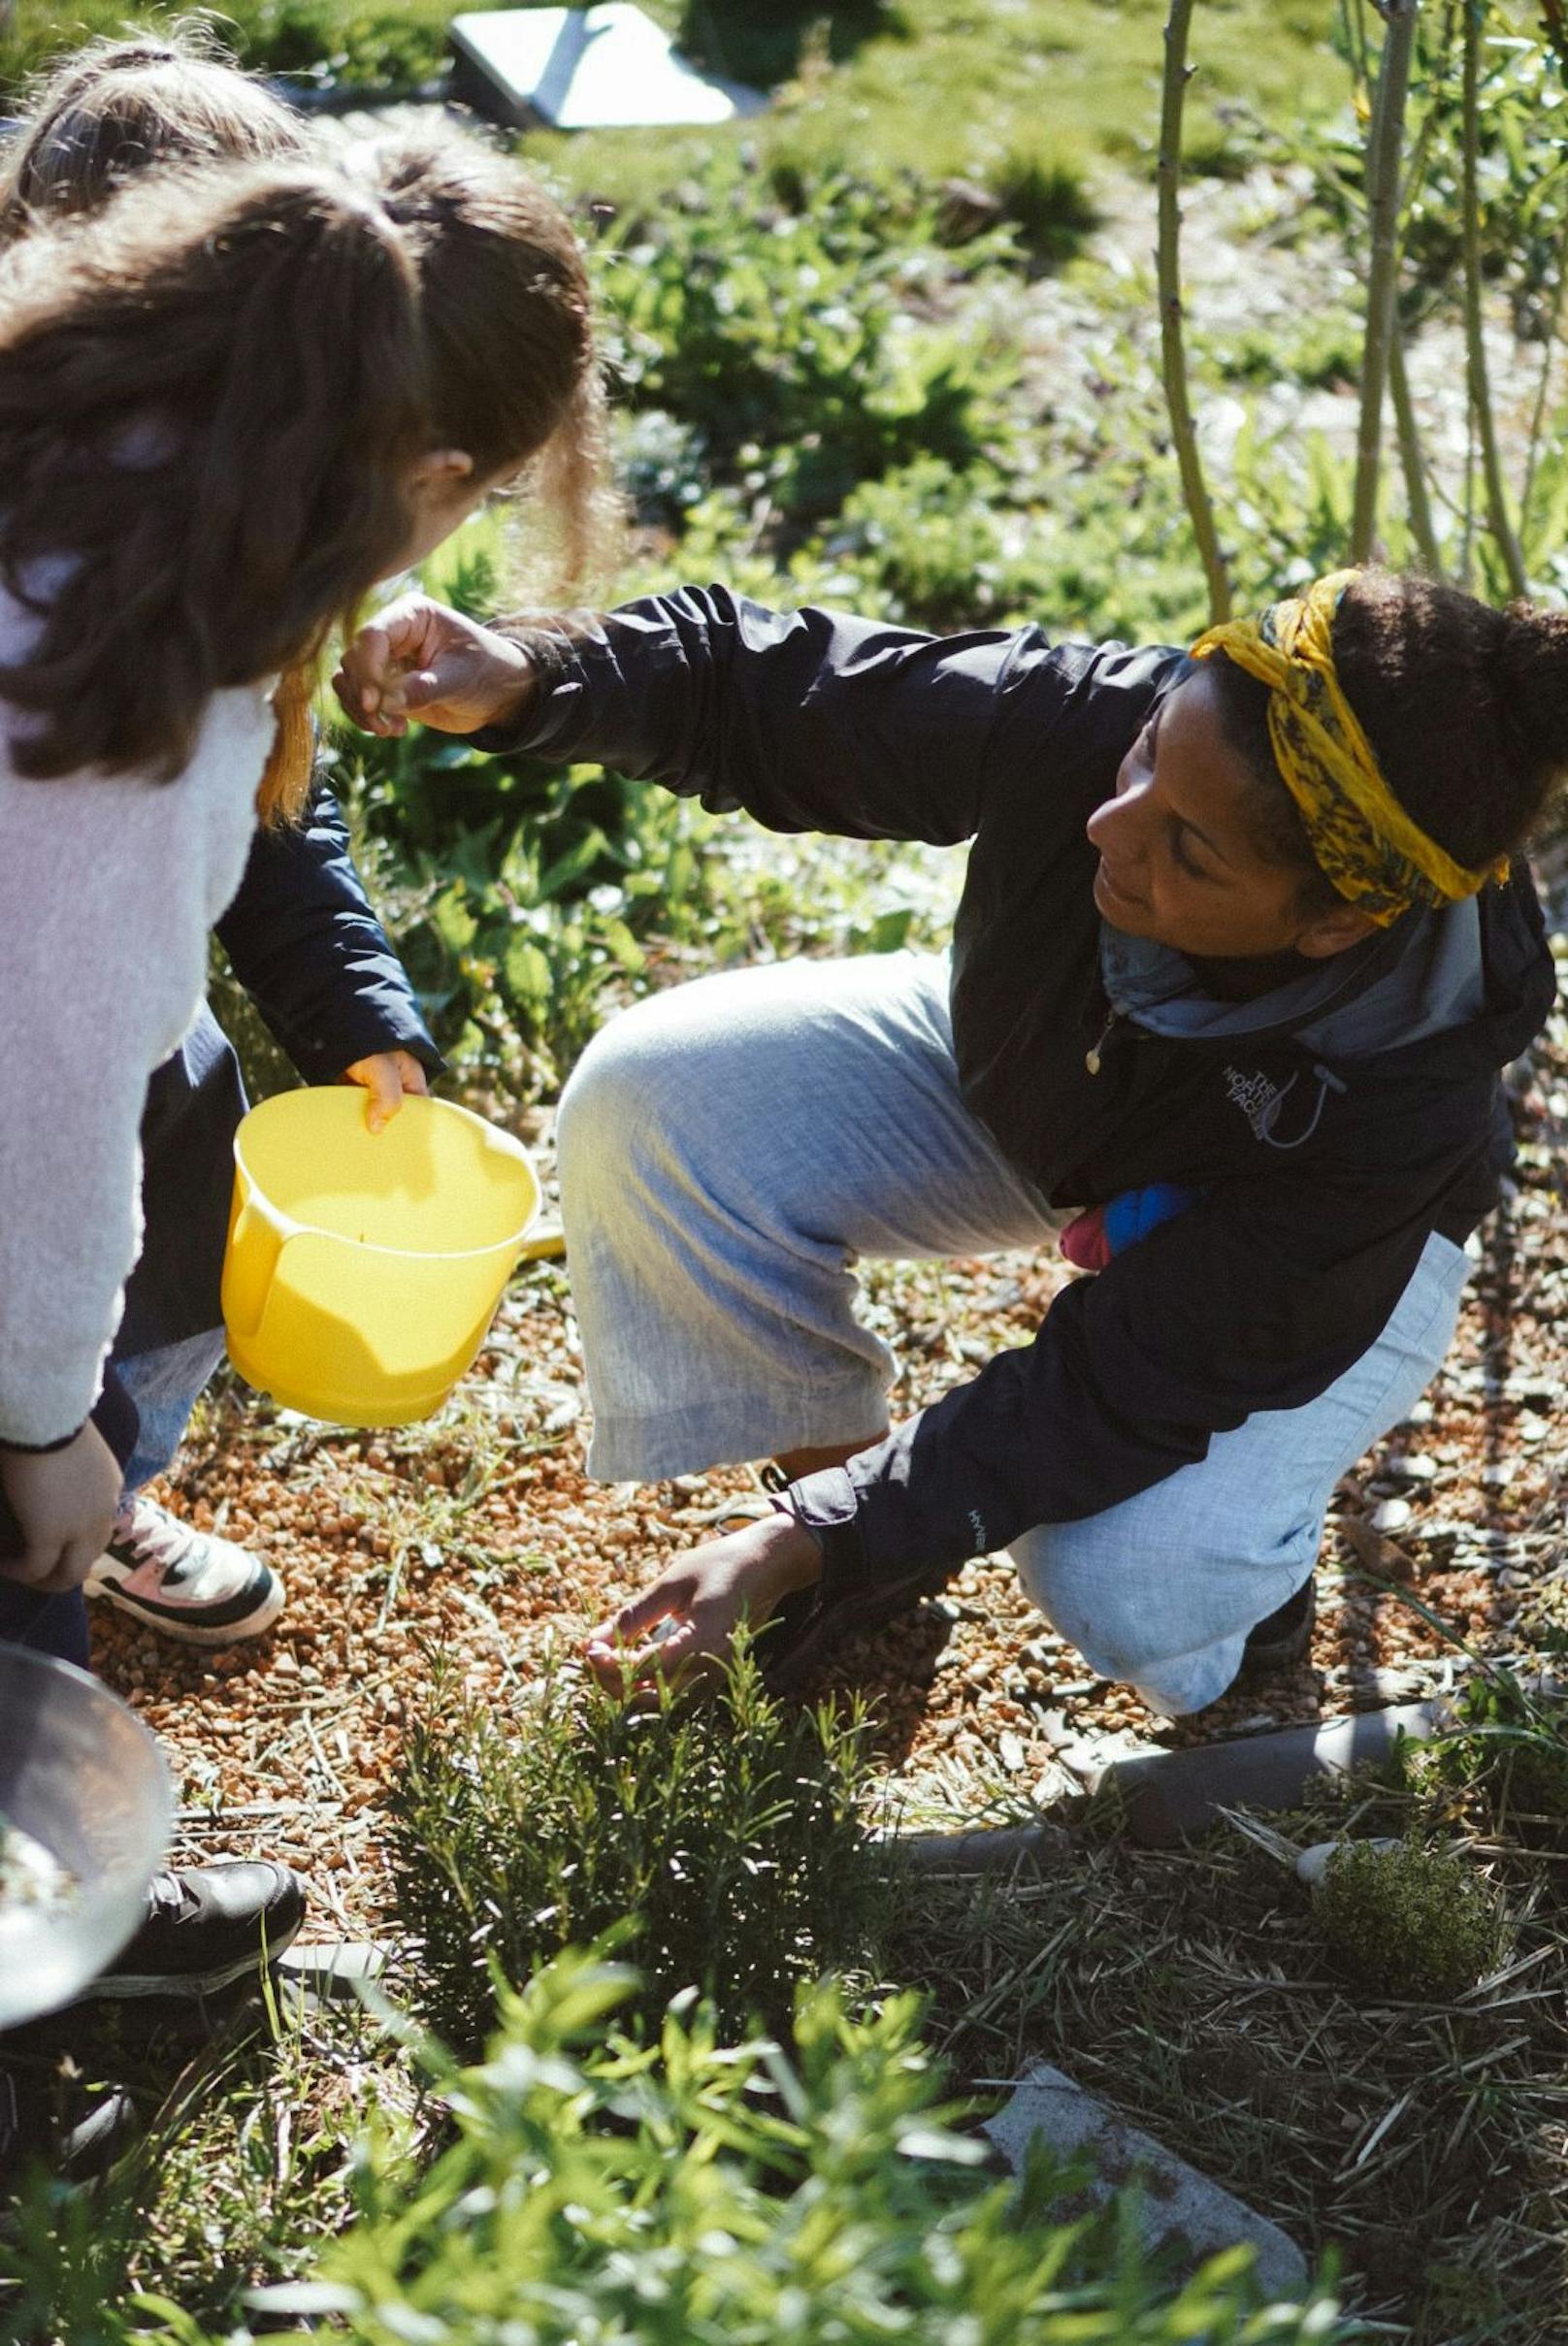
{"x":1172,"y":350}
{"x":1491,"y":467}
{"x":1412,"y":460}
{"x":1467,"y":542}
{"x":1543,"y":389}
{"x":1384,"y":146}
{"x":1355,"y":29}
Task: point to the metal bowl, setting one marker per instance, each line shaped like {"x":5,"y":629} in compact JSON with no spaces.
{"x":83,"y":1777}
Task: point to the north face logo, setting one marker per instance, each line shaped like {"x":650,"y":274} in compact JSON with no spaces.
{"x":1256,"y":1097}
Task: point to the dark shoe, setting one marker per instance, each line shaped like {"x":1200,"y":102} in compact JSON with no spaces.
{"x":1280,"y":1642}
{"x":75,"y":2133}
{"x":806,"y":1630}
{"x":206,"y":1929}
{"x":98,"y":2139}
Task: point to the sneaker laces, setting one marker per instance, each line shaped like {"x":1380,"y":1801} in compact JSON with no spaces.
{"x":159,"y":1538}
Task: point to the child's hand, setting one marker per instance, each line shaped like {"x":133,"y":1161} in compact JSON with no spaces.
{"x":705,"y":1595}
{"x":418,"y":658}
{"x":386,"y":1076}
{"x":64,"y":1501}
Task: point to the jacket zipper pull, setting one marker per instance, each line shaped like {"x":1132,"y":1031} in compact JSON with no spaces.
{"x":1091,"y":1057}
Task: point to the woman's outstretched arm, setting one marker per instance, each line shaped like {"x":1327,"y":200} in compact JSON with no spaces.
{"x":809,"y":720}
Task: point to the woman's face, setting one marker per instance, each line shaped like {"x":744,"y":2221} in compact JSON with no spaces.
{"x":1178,"y":861}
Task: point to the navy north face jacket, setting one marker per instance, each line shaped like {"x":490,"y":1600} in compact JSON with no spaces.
{"x":303,"y":943}
{"x":1321,"y":1174}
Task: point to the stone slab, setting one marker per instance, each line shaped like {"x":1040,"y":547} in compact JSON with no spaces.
{"x":1177,"y":2202}
{"x":333,"y":1967}
{"x":1313,"y":1864}
{"x":1173,"y":1796}
{"x":1005,"y":1849}
{"x":586,"y":68}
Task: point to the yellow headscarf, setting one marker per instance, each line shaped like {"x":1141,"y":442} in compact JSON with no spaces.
{"x":1363,"y":841}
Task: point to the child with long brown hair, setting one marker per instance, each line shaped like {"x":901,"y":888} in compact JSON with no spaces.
{"x":228,"y":406}
{"x":300,"y":935}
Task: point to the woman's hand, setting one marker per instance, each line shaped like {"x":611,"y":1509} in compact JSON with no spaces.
{"x":64,"y":1501}
{"x":418,"y":658}
{"x":386,"y":1075}
{"x":705,"y":1594}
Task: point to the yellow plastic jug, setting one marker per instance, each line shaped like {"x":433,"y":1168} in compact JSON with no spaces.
{"x":363,"y":1269}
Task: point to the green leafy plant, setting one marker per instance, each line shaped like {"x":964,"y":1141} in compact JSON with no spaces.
{"x":938,"y":548}
{"x":1408,"y":1920}
{"x":1513,"y":1747}
{"x":1046,"y":199}
{"x":762,"y":41}
{"x":378,"y":43}
{"x":725,"y":1840}
{"x":692,"y":2190}
{"x":787,"y":337}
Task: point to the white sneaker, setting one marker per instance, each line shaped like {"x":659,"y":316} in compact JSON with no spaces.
{"x":189,"y":1583}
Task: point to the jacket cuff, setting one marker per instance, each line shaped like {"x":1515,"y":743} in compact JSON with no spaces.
{"x":551,"y":656}
{"x":327,"y":1058}
{"x":826,"y":1503}
{"x":43,"y":1450}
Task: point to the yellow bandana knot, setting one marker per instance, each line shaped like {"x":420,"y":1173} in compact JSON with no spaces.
{"x":1365,"y":844}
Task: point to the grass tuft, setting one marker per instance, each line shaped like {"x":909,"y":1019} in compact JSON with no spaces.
{"x":1046,"y":198}
{"x":1408,"y":1920}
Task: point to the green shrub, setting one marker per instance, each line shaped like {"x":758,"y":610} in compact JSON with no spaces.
{"x":690,"y":2192}
{"x":1408,"y":1921}
{"x":787,"y":338}
{"x":761,"y":41}
{"x":942,"y":549}
{"x":1047,"y":199}
{"x":729,"y":1834}
{"x":1512,"y":1749}
{"x":397,"y":43}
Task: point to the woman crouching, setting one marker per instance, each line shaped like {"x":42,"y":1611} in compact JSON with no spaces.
{"x":1240,"y":955}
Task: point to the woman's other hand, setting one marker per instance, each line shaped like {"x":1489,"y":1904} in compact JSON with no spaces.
{"x":705,"y":1595}
{"x":64,"y":1502}
{"x":387,"y":1075}
{"x":418,"y":659}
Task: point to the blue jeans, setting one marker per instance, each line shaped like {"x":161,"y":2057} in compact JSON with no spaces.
{"x":730,"y":1148}
{"x":164,"y":1384}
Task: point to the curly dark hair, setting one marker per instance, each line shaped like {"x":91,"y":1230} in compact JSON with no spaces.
{"x":1465,"y":707}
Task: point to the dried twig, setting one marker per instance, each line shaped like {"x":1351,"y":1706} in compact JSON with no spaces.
{"x":1173,"y":355}
{"x":1384,"y":148}
{"x":1411,"y":458}
{"x":1491,"y":467}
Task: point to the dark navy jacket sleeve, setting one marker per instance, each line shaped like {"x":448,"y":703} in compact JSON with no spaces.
{"x":809,"y":720}
{"x":303,"y":943}
{"x":1255,"y":1298}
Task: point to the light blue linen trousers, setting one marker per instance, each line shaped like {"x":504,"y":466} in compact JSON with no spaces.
{"x":729,"y":1151}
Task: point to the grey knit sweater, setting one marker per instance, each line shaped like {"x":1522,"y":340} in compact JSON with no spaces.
{"x":108,"y":888}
